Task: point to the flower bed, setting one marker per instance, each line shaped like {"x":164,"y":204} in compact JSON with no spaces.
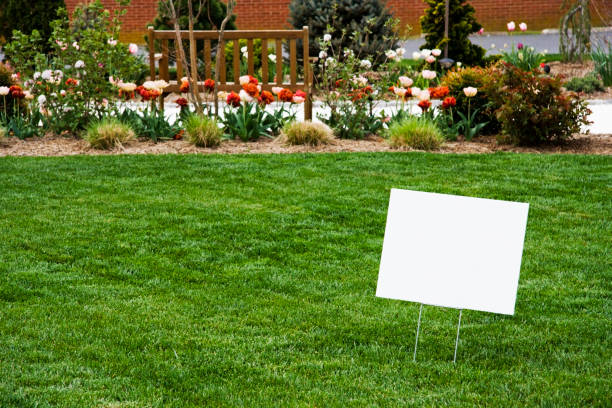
{"x":90,"y":77}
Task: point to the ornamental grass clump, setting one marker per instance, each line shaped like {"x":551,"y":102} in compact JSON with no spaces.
{"x":202,"y":131}
{"x":307,"y":133}
{"x":108,"y":133}
{"x":419,"y":133}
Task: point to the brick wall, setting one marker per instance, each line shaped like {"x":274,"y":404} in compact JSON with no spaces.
{"x":274,"y":14}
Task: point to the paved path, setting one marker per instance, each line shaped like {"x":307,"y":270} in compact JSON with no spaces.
{"x":494,"y":43}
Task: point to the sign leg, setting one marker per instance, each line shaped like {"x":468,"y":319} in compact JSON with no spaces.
{"x":417,"y":334}
{"x":457,"y":340}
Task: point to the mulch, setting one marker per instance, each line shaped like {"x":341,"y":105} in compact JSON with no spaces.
{"x":68,"y":146}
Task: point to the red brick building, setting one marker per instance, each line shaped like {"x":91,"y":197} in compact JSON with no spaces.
{"x":274,"y":14}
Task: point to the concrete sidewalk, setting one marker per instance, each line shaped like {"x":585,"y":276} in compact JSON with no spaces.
{"x":547,"y":41}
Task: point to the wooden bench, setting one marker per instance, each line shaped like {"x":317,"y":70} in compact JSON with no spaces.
{"x":167,"y":41}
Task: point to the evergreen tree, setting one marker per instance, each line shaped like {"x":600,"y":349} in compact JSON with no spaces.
{"x":367,"y":25}
{"x":27,"y":15}
{"x":462,"y":23}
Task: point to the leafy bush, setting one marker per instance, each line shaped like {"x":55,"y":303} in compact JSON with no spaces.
{"x":107,"y":133}
{"x":587,"y":84}
{"x":533,"y":110}
{"x":28,"y":15}
{"x":307,"y":133}
{"x":417,"y":132}
{"x":73,"y":81}
{"x":482,"y":79}
{"x":462,"y":23}
{"x":202,"y":131}
{"x":364,"y":26}
{"x":603,"y":63}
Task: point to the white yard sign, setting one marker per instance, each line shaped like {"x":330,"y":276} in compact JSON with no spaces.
{"x":452,"y":251}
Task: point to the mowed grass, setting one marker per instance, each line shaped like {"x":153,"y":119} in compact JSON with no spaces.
{"x":183,"y":281}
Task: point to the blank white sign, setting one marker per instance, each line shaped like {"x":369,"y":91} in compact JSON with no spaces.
{"x":452,"y":251}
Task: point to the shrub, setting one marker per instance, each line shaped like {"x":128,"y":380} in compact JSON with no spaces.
{"x":533,"y":110}
{"x":482,"y":79}
{"x":73,"y":80}
{"x":108,"y":133}
{"x":603,"y":63}
{"x":28,"y":15}
{"x":416,"y":132}
{"x":462,"y":23}
{"x":364,"y":26}
{"x":307,"y":133}
{"x":587,"y":84}
{"x":202,"y":131}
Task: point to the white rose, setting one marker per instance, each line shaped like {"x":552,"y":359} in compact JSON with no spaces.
{"x":46,"y":75}
{"x":327,"y":37}
{"x":365,"y":64}
{"x":436,"y":52}
{"x":244,"y":79}
{"x":42,"y":99}
{"x":400,"y":52}
{"x":322,"y":55}
{"x":4,"y":90}
{"x":79,"y":64}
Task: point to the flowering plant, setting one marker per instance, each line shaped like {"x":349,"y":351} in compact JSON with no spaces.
{"x":250,"y":120}
{"x":72,"y":84}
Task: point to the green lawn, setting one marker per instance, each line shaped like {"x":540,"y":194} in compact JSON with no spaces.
{"x":178,"y":281}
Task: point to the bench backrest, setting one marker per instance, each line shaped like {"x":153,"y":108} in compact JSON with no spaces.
{"x":167,"y":42}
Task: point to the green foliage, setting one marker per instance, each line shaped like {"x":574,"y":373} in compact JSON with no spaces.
{"x":108,"y":132}
{"x":229,"y":58}
{"x":602,"y":58}
{"x":25,"y":125}
{"x":480,"y":78}
{"x":210,"y":14}
{"x":153,"y":125}
{"x":26,"y":16}
{"x":202,"y":131}
{"x":462,"y":23}
{"x":249,"y":280}
{"x":416,"y":132}
{"x":247,"y":122}
{"x":74,"y":78}
{"x":587,"y":84}
{"x":364,"y":26}
{"x":307,"y":133}
{"x":525,"y":58}
{"x":348,"y":90}
{"x":533,"y":110}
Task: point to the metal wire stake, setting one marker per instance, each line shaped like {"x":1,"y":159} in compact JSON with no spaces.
{"x":417,"y":335}
{"x":457,"y":340}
